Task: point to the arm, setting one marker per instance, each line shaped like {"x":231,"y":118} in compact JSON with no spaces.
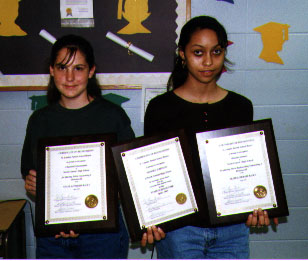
{"x":28,"y":171}
{"x":30,"y":186}
{"x":152,"y":120}
{"x":124,"y":129}
{"x":28,"y":160}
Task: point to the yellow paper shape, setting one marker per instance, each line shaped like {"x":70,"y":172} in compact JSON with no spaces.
{"x":273,"y":37}
{"x":8,"y":15}
{"x":136,"y":11}
{"x":69,"y":12}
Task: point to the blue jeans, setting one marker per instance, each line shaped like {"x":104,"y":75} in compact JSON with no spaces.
{"x":86,"y":246}
{"x":229,"y":242}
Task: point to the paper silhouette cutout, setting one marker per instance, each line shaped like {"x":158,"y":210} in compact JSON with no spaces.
{"x":69,"y":12}
{"x":273,"y":37}
{"x":8,"y":15}
{"x":115,"y":98}
{"x":136,"y":11}
{"x":229,"y":1}
{"x":38,"y":102}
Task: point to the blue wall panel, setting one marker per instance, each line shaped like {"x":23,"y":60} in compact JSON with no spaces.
{"x":285,"y":230}
{"x":293,"y":156}
{"x":290,"y":122}
{"x":296,"y":186}
{"x":295,"y":249}
{"x":10,"y":161}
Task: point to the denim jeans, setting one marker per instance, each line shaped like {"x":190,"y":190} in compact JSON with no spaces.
{"x":86,"y":246}
{"x":229,"y":242}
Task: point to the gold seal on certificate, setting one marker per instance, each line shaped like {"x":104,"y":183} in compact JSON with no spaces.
{"x":181,"y":198}
{"x":260,"y":191}
{"x":91,"y":201}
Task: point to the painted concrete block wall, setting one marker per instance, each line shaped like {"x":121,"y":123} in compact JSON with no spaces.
{"x":15,"y":109}
{"x":277,"y":91}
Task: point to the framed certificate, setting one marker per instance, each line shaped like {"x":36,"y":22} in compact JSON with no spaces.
{"x":157,"y":182}
{"x":76,"y":185}
{"x":241,"y":172}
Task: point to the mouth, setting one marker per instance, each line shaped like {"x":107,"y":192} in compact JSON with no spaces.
{"x":207,"y":72}
{"x":70,"y":86}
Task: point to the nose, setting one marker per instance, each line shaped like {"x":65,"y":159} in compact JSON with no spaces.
{"x":69,"y":75}
{"x":207,"y":59}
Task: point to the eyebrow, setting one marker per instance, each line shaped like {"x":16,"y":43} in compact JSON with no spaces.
{"x":60,"y":64}
{"x":198,"y":45}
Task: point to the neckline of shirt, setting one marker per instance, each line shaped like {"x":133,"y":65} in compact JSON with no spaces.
{"x":200,"y":104}
{"x":61,"y":108}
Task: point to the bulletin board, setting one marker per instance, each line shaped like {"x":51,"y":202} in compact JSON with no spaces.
{"x":24,"y":64}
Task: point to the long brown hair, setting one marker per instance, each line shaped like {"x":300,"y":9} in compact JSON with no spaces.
{"x":73,"y":43}
{"x":180,"y":72}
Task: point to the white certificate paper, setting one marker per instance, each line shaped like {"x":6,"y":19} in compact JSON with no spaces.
{"x":76,"y":13}
{"x":159,"y":182}
{"x":239,"y":171}
{"x":71,"y":9}
{"x":75,"y":184}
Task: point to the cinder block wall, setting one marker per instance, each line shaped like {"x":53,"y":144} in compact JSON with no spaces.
{"x":277,"y":91}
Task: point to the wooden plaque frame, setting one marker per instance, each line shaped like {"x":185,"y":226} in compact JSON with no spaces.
{"x":108,"y":225}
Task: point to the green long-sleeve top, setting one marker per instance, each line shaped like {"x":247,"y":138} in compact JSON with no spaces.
{"x":98,"y":117}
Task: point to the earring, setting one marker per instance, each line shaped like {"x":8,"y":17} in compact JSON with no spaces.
{"x":183,"y":64}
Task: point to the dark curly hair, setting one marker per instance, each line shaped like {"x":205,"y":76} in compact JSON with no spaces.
{"x":179,"y":74}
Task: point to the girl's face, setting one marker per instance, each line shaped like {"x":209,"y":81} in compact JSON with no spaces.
{"x":204,"y":57}
{"x":71,"y":77}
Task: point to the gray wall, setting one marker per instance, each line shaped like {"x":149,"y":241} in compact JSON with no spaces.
{"x":277,"y":91}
